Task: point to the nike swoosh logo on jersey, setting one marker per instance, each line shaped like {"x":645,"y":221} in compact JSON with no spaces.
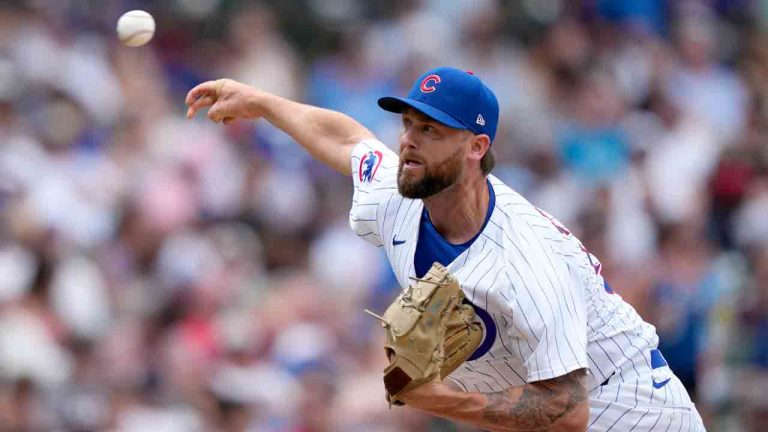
{"x":661,"y":384}
{"x":396,"y":242}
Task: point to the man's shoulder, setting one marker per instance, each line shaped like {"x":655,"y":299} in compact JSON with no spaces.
{"x":373,"y":146}
{"x":505,"y":194}
{"x":511,"y":208}
{"x":517,"y":227}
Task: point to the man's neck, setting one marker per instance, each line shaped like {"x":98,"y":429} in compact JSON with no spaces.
{"x":458,"y":212}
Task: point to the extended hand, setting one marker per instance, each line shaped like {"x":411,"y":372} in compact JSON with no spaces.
{"x":227,"y":100}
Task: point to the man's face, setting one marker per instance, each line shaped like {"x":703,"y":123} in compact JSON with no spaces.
{"x":431,"y":156}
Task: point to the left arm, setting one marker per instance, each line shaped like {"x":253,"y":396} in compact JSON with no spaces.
{"x":557,"y":404}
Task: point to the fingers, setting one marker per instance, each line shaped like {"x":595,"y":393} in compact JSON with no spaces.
{"x":209,"y":88}
{"x":200,"y":103}
{"x":203,"y":95}
{"x":219,"y":114}
{"x":206,"y":95}
{"x":214,"y":116}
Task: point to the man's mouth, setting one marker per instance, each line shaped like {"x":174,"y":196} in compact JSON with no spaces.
{"x":411,"y":163}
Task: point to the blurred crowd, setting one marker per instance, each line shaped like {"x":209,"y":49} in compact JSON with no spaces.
{"x":160,"y":274}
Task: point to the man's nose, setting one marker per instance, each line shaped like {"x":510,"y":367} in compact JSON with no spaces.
{"x":406,"y":139}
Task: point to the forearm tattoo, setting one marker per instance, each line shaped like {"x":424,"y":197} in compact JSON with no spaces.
{"x":539,"y":406}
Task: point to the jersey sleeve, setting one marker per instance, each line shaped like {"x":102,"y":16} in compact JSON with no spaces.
{"x":374,"y":176}
{"x":549,"y":322}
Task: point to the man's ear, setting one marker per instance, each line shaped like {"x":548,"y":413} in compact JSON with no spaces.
{"x":479,"y":146}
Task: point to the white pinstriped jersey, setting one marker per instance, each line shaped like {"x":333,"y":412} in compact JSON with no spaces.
{"x":548,"y":309}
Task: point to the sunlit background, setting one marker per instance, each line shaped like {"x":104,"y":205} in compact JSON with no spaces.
{"x":159,"y":274}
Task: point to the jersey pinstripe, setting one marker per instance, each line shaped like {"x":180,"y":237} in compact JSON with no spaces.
{"x":541,"y":289}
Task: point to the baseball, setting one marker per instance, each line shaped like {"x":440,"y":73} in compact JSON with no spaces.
{"x":135,"y":28}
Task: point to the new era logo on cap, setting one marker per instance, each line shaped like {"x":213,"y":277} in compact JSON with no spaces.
{"x":452,"y":97}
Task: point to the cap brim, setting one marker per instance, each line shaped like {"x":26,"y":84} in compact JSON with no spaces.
{"x":397,"y":104}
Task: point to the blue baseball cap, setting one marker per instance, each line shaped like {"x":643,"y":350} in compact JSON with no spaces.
{"x":453,"y":97}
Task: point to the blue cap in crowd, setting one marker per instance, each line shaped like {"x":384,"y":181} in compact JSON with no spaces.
{"x":453,"y":97}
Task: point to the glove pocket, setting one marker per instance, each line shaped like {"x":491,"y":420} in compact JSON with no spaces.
{"x":461,"y":341}
{"x":411,"y":306}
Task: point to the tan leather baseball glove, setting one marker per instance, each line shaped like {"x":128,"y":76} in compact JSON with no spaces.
{"x":429,"y":332}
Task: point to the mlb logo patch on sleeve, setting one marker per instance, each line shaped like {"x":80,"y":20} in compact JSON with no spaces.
{"x":369,"y":164}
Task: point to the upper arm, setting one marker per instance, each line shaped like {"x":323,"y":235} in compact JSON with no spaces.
{"x":374,"y":176}
{"x":334,"y":137}
{"x":346,"y":151}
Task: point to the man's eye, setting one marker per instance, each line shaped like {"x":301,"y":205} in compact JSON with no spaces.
{"x":427,"y":129}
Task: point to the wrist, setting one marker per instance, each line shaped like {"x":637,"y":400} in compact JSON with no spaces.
{"x":435,"y":397}
{"x":256,"y":103}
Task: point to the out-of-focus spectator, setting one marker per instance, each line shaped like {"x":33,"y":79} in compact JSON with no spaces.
{"x":260,"y":54}
{"x":684,"y":273}
{"x":754,"y":317}
{"x":593,"y":144}
{"x":346,"y":81}
{"x":700,"y":85}
{"x":680,"y":157}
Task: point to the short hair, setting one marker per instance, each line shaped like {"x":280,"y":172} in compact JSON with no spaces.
{"x":488,"y":162}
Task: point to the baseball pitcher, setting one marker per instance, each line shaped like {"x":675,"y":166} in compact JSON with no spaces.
{"x":505,"y":321}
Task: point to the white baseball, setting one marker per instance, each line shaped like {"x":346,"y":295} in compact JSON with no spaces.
{"x":135,"y":28}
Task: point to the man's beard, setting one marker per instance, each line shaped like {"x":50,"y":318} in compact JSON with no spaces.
{"x":435,"y":180}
